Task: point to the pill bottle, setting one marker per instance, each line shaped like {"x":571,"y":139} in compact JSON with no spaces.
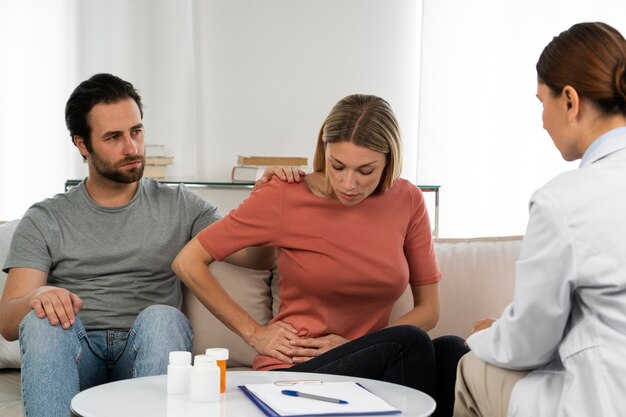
{"x":205,"y":379}
{"x":221,"y":354}
{"x":178,"y":372}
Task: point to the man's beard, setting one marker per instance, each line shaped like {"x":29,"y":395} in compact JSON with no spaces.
{"x":111,"y":170}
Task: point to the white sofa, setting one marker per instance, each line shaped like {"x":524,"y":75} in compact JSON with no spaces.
{"x":477,"y":282}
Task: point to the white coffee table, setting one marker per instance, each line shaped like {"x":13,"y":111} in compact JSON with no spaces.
{"x":148,"y":397}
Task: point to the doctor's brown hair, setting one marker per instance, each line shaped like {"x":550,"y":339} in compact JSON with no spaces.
{"x":366,"y":121}
{"x":590,"y":57}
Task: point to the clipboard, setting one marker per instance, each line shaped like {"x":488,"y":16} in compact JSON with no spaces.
{"x":361,"y":402}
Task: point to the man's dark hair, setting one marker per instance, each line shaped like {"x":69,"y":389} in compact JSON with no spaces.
{"x":100,"y":88}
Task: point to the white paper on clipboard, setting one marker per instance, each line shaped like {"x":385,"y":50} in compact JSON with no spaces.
{"x":360,"y":400}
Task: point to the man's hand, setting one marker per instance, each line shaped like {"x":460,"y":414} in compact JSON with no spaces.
{"x":482,"y":325}
{"x":310,"y":347}
{"x":58,"y":304}
{"x":275,"y":340}
{"x":288,"y":174}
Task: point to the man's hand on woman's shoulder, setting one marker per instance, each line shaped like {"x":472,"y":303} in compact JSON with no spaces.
{"x":284,"y":173}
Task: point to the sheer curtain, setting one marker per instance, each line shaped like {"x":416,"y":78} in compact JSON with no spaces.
{"x":218,"y":78}
{"x":480,"y":128}
{"x":37,"y":71}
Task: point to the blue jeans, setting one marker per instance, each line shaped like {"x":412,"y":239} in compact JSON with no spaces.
{"x":403,"y":355}
{"x":57,"y":363}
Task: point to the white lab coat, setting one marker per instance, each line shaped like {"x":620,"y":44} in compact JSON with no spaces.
{"x":567,"y":321}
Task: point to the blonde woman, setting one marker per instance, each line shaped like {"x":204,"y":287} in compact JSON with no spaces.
{"x":351,"y":237}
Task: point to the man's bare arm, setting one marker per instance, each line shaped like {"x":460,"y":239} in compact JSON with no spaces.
{"x":25,"y":290}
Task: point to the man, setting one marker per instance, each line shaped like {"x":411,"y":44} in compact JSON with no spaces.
{"x":104,"y":250}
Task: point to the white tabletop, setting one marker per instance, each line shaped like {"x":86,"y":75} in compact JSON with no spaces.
{"x":148,"y":397}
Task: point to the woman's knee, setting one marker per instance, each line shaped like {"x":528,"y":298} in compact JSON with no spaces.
{"x":450,"y":346}
{"x":411,"y":337}
{"x":410,"y":340}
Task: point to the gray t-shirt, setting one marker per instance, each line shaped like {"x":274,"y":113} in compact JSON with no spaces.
{"x":118,"y":260}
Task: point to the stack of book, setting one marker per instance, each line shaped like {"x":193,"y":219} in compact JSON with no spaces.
{"x":250,"y":168}
{"x":157,"y":161}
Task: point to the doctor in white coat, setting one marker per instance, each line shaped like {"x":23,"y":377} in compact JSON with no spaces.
{"x":560,"y":348}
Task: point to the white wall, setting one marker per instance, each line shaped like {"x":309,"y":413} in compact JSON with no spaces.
{"x":272,"y":70}
{"x":480,"y":128}
{"x":224,"y":78}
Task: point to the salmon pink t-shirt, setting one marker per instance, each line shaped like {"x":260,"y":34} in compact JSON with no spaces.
{"x":342,"y":268}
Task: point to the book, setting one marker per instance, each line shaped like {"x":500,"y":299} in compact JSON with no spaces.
{"x":156,"y":172}
{"x":156,"y":166}
{"x":159,"y":160}
{"x":246,"y":174}
{"x":359,"y":401}
{"x":156,"y":162}
{"x":272,"y":161}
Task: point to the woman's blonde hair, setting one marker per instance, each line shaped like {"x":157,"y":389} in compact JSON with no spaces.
{"x":366,"y":121}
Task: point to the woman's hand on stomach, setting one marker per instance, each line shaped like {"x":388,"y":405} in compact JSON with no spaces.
{"x":304,"y":349}
{"x":275,"y":340}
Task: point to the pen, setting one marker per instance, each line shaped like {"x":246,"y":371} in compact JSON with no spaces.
{"x":292,"y":393}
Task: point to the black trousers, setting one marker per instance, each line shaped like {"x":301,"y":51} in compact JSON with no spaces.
{"x":403,"y":355}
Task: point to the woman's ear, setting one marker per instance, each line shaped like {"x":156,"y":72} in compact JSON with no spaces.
{"x":571,"y":101}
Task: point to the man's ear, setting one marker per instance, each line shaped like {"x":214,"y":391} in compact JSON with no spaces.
{"x":79,"y":142}
{"x":571,"y":100}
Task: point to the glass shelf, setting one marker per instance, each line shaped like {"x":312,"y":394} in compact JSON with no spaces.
{"x":193,"y":183}
{"x":189,"y":183}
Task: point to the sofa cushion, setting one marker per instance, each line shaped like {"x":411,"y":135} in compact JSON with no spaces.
{"x":10,"y":393}
{"x":478,"y":280}
{"x":251,"y":290}
{"x":9,"y":351}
